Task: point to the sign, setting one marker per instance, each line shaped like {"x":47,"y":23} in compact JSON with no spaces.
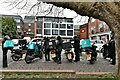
{"x":83,"y":30}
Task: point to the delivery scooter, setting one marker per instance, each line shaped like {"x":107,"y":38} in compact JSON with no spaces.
{"x":33,"y":51}
{"x":69,"y":54}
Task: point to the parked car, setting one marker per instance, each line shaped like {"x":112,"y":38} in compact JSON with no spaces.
{"x":98,"y":43}
{"x":27,"y":38}
{"x":34,"y":40}
{"x":15,"y":41}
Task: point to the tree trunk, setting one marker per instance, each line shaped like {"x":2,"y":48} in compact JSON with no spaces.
{"x":118,"y":54}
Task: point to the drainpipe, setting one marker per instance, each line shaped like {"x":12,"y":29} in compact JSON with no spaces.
{"x":35,"y":27}
{"x":87,"y":33}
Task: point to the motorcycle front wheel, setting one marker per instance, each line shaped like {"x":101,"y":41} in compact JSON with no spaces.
{"x":40,"y":55}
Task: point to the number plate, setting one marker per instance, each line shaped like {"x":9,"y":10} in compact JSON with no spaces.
{"x":88,"y":56}
{"x":23,"y":56}
{"x":53,"y":55}
{"x":69,"y":56}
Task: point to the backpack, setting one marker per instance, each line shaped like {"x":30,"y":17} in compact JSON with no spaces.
{"x":8,"y":43}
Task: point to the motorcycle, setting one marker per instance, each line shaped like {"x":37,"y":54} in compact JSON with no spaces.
{"x":53,"y":50}
{"x":33,"y":51}
{"x":53,"y":55}
{"x":19,"y":52}
{"x":90,"y":56}
{"x":69,"y":55}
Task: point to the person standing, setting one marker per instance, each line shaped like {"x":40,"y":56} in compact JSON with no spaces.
{"x":59,"y":49}
{"x":94,"y":50}
{"x":5,"y":50}
{"x":47,"y":49}
{"x":112,"y":50}
{"x":76,"y":46}
{"x":105,"y":51}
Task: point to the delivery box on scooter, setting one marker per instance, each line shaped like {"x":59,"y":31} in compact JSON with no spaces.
{"x":85,"y":43}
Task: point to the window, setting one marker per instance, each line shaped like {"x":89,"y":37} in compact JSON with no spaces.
{"x":69,"y":32}
{"x":68,"y":20}
{"x":47,"y":25}
{"x":29,"y":24}
{"x":39,"y":31}
{"x":18,"y":27}
{"x":39,"y":25}
{"x":101,"y":27}
{"x":54,"y":32}
{"x":40,"y":19}
{"x":17,"y":20}
{"x":54,"y":25}
{"x":47,"y":31}
{"x":62,"y":25}
{"x":29,"y":29}
{"x":62,"y":32}
{"x":93,"y":30}
{"x":69,"y":26}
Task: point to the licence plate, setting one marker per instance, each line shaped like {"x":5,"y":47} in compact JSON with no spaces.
{"x":23,"y":56}
{"x":88,"y":56}
{"x":69,"y":56}
{"x":53,"y":55}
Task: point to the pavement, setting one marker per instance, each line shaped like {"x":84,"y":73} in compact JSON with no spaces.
{"x":101,"y":66}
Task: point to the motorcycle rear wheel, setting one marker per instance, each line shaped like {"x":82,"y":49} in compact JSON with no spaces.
{"x":15,"y":57}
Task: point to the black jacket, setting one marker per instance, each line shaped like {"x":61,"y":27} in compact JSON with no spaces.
{"x":3,"y":41}
{"x":46,"y":44}
{"x":59,"y":44}
{"x":76,"y":44}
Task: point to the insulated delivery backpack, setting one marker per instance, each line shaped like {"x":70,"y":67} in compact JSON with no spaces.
{"x":8,"y":44}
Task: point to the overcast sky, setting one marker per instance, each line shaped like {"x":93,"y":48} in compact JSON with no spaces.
{"x":4,"y":9}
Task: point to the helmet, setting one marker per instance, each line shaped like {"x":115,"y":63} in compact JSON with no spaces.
{"x":7,"y":37}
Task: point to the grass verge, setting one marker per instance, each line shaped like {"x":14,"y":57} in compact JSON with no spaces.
{"x":19,"y":75}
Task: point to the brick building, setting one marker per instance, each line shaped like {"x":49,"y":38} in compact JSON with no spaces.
{"x":83,"y":31}
{"x":97,"y":30}
{"x":29,"y":26}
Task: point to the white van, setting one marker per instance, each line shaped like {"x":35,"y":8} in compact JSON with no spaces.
{"x":98,"y":43}
{"x":28,"y":39}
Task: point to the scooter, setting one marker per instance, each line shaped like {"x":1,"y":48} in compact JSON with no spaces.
{"x":19,"y":52}
{"x":33,"y":51}
{"x":53,"y":53}
{"x":69,"y":55}
{"x":90,"y":56}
